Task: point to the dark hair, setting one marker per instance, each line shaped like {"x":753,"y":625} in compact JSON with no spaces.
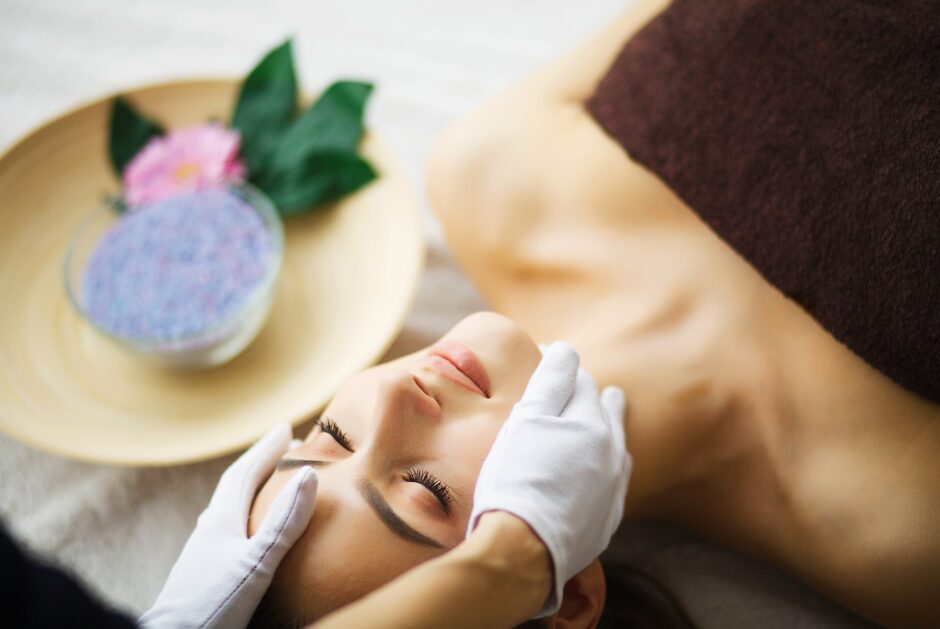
{"x":271,"y":613}
{"x":635,"y":599}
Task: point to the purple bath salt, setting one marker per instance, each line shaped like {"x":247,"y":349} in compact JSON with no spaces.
{"x":173,"y":268}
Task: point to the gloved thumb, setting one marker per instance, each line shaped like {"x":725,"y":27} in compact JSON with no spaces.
{"x":552,"y":383}
{"x":287,"y":517}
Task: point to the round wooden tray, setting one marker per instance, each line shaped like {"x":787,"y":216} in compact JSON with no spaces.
{"x":349,"y":277}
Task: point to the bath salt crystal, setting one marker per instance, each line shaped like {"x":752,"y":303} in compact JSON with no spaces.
{"x":173,"y":268}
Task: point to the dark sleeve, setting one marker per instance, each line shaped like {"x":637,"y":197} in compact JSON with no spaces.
{"x":34,"y":594}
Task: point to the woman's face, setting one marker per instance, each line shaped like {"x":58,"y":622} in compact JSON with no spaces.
{"x":397,"y":452}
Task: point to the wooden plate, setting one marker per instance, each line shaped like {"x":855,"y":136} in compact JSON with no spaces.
{"x":349,"y":277}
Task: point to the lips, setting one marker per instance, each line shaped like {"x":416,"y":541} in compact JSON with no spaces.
{"x":457,"y":363}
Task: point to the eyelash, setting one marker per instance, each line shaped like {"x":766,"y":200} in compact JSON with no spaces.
{"x":328,"y":426}
{"x":411,"y":475}
{"x":434,"y":485}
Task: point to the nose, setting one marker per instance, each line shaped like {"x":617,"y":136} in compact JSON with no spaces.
{"x":402,"y":409}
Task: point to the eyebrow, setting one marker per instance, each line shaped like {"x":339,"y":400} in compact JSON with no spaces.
{"x":374,"y":499}
{"x":390,"y":519}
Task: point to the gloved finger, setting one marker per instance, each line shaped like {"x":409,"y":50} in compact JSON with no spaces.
{"x":294,"y":444}
{"x":585,"y":403}
{"x":553,"y":382}
{"x":286,"y":520}
{"x":614,"y":402}
{"x":615,"y":405}
{"x":240,"y":482}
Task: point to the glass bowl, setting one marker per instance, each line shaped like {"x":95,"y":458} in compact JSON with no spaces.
{"x":220,"y":340}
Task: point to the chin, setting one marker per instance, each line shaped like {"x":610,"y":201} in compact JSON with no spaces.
{"x":492,"y":329}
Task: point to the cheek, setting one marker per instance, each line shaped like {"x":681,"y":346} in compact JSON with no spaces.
{"x":482,"y":440}
{"x":469,"y":442}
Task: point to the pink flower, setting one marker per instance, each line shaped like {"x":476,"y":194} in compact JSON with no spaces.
{"x":196,"y":157}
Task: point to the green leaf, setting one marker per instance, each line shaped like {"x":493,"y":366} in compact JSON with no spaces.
{"x":319,"y":178}
{"x":130,"y":132}
{"x":266,"y":104}
{"x":334,"y":123}
{"x":116,"y":203}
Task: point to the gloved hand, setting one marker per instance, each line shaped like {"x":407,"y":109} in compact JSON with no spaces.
{"x":222,"y":574}
{"x":560,"y":463}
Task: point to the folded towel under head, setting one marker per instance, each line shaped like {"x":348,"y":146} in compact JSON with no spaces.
{"x":807,"y":135}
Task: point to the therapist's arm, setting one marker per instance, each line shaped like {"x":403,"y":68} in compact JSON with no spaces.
{"x":499,"y":577}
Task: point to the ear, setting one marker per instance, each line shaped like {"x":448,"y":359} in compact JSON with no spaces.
{"x":583,"y":600}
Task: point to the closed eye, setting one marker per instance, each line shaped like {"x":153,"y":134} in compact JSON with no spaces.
{"x":435,"y":485}
{"x":330,"y":427}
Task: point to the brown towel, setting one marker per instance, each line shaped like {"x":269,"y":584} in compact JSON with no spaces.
{"x":807,"y":135}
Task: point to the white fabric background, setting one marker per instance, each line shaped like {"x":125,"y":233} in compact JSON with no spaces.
{"x":120,"y":529}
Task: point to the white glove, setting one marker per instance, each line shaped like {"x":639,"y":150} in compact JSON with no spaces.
{"x":222,"y":574}
{"x":560,"y":463}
